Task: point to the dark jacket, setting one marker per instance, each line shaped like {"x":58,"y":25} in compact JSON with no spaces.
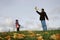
{"x":42,"y":15}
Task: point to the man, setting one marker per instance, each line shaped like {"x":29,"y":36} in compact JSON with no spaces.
{"x":42,"y":18}
{"x":17,"y":25}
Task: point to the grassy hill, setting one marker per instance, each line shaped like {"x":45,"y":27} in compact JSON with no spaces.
{"x":31,"y":35}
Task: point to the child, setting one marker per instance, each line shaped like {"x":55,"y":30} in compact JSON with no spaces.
{"x":17,"y":25}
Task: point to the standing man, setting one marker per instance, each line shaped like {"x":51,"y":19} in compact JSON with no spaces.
{"x":17,"y":25}
{"x":43,"y":15}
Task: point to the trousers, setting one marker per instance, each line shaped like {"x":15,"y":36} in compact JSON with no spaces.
{"x":44,"y":26}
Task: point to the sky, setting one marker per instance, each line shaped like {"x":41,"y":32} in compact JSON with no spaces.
{"x":24,"y":11}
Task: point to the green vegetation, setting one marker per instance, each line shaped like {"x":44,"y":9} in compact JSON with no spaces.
{"x":29,"y":35}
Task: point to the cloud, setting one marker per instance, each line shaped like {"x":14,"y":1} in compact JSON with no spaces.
{"x":32,"y":25}
{"x":54,"y":22}
{"x":6,"y":23}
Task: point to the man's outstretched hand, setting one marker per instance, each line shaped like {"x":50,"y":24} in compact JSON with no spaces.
{"x":36,"y":8}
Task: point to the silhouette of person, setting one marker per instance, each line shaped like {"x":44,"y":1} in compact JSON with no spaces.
{"x":43,"y":15}
{"x":17,"y":25}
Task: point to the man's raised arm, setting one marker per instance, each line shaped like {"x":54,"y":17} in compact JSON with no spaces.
{"x":37,"y":10}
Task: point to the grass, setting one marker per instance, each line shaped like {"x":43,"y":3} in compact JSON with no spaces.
{"x":45,"y":35}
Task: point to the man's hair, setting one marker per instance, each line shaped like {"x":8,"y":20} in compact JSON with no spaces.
{"x":42,"y":9}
